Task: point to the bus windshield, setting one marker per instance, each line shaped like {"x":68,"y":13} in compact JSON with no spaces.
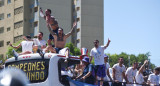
{"x":36,"y":69}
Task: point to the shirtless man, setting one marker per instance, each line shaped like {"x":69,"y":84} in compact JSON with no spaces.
{"x":52,"y":21}
{"x":60,"y":41}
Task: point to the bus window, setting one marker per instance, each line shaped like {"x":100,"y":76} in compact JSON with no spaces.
{"x":62,"y":67}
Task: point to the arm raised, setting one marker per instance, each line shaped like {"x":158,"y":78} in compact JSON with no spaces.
{"x":68,"y":34}
{"x":52,"y":33}
{"x":107,"y":43}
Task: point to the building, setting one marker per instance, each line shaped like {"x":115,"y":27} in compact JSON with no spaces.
{"x":21,"y":17}
{"x":88,"y":13}
{"x":16,"y":19}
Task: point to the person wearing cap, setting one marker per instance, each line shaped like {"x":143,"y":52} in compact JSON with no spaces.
{"x":153,"y":79}
{"x":79,"y":67}
{"x":97,"y":52}
{"x":27,"y":46}
{"x":86,"y":76}
{"x":107,"y":66}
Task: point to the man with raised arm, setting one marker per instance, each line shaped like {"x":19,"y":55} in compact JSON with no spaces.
{"x":27,"y":46}
{"x":52,"y":22}
{"x":98,"y":53}
{"x":60,"y":41}
{"x":139,"y":74}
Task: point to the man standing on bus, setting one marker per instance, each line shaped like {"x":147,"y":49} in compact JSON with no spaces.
{"x":98,"y":53}
{"x":53,"y":23}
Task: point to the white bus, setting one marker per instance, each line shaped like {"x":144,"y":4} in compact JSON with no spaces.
{"x":43,"y":71}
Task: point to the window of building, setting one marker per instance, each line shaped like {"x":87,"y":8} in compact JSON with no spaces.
{"x":1,"y":30}
{"x":35,"y":9}
{"x":1,"y":3}
{"x":8,"y":1}
{"x":8,"y":15}
{"x":8,"y":42}
{"x":8,"y":29}
{"x":1,"y":55}
{"x":78,"y":40}
{"x":78,"y":19}
{"x":18,"y":10}
{"x":17,"y":38}
{"x":1,"y":43}
{"x":18,"y":24}
{"x":77,"y":8}
{"x":36,"y":24}
{"x":2,"y":16}
{"x":78,"y":29}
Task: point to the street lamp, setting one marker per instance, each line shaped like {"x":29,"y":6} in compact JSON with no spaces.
{"x":149,"y":61}
{"x":129,"y":60}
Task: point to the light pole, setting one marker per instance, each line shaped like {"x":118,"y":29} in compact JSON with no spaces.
{"x":149,"y":61}
{"x":129,"y":60}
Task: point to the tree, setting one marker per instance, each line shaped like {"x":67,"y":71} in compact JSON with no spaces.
{"x":140,"y":58}
{"x":9,"y":50}
{"x":73,"y":50}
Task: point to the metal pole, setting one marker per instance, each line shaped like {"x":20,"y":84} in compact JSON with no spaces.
{"x":129,"y":60}
{"x":148,"y":62}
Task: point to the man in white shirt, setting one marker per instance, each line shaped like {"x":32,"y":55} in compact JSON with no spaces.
{"x":131,"y":73}
{"x":139,"y":75}
{"x":39,"y":42}
{"x":97,"y":52}
{"x":107,"y":66}
{"x":119,"y":72}
{"x":153,"y":79}
{"x":26,"y":45}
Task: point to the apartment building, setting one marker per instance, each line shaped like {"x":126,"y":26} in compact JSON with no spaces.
{"x":88,"y":13}
{"x":21,"y":17}
{"x":17,"y":18}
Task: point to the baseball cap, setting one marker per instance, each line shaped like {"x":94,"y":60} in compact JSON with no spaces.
{"x":105,"y":56}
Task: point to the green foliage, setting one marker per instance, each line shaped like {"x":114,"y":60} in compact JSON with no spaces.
{"x":140,"y":58}
{"x":9,"y":50}
{"x":73,"y":50}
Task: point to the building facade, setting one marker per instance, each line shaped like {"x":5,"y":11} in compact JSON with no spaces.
{"x":21,"y":17}
{"x":16,"y":20}
{"x":88,"y":14}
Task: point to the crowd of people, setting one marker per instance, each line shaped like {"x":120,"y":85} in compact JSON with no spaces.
{"x":100,"y":73}
{"x":56,"y":41}
{"x":97,"y":73}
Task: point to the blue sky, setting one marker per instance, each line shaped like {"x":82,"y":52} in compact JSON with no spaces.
{"x":133,"y":26}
